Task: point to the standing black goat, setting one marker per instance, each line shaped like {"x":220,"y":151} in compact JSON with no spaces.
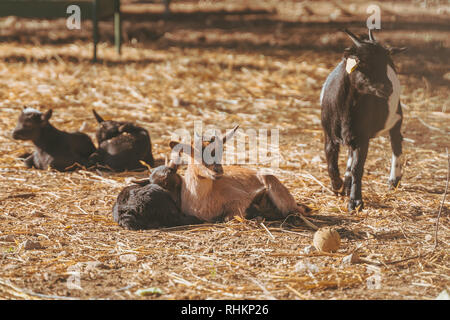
{"x":53,"y":148}
{"x":152,"y":203}
{"x":360,"y":100}
{"x":121,"y":145}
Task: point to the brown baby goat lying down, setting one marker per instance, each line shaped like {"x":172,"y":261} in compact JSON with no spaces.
{"x":212,"y":192}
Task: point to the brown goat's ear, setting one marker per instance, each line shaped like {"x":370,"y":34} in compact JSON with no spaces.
{"x":96,"y":115}
{"x":46,"y":116}
{"x":394,"y":51}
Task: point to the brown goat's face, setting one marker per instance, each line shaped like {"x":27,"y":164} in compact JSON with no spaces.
{"x":211,"y":159}
{"x":206,"y":154}
{"x":30,"y":124}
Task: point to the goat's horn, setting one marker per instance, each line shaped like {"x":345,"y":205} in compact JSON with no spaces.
{"x":371,"y":36}
{"x":229,"y":134}
{"x":97,"y":116}
{"x":354,"y":38}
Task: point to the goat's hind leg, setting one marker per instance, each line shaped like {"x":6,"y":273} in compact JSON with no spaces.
{"x":281,"y":197}
{"x":332,"y":155}
{"x":396,"y":164}
{"x":262,"y":206}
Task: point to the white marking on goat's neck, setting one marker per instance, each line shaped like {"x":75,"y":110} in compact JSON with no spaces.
{"x":393,"y":101}
{"x":396,"y":167}
{"x":31,"y":110}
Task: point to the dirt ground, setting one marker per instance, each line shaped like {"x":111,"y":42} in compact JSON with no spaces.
{"x":257,"y":63}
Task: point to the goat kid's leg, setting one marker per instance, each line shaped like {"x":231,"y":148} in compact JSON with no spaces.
{"x":396,"y":164}
{"x":348,"y":174}
{"x":359,"y":156}
{"x":29,"y":161}
{"x":281,"y":197}
{"x":332,"y":155}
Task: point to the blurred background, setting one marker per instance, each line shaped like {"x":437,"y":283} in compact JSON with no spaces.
{"x":248,"y":25}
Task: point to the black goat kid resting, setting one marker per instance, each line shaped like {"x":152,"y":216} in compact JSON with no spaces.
{"x":54,"y":148}
{"x":360,"y":100}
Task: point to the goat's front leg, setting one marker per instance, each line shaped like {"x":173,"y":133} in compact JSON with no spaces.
{"x":359,"y":155}
{"x":348,"y":174}
{"x":396,"y":164}
{"x":29,"y":160}
{"x":332,"y":155}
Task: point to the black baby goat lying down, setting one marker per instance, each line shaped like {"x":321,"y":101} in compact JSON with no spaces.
{"x":53,"y":148}
{"x":121,"y":145}
{"x":360,"y":100}
{"x":153,"y":203}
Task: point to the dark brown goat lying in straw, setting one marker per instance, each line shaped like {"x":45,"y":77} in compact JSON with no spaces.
{"x":121,"y":145}
{"x":153,"y":203}
{"x":53,"y":148}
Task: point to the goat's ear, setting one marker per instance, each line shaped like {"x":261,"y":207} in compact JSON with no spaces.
{"x":229,"y":134}
{"x":173,"y":144}
{"x":46,"y":116}
{"x":96,"y":115}
{"x":394,"y":51}
{"x":351,"y":64}
{"x":142,"y":182}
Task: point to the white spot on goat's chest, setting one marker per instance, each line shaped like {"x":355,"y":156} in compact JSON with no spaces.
{"x":393,"y":101}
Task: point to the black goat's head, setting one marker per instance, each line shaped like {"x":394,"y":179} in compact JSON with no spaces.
{"x":108,"y":128}
{"x":30,"y":123}
{"x":366,"y":63}
{"x":166,"y":177}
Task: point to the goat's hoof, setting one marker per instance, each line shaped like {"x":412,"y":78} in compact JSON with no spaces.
{"x":355,"y":205}
{"x":393,"y":183}
{"x":304,"y":209}
{"x":337,"y":186}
